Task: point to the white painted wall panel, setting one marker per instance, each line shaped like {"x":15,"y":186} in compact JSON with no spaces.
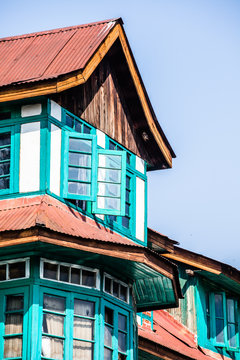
{"x":101,"y":139}
{"x":55,"y":160}
{"x":140,"y":208}
{"x":56,"y":111}
{"x":139,"y":164}
{"x":30,"y":157}
{"x":31,"y":110}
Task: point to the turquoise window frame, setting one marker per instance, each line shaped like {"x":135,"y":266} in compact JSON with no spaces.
{"x":14,"y":159}
{"x":69,"y":320}
{"x":212,"y":314}
{"x":75,"y":118}
{"x":121,"y":212}
{"x":24,"y":334}
{"x":116,"y":311}
{"x":66,"y":136}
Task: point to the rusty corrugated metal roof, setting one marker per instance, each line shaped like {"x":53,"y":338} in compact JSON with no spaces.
{"x":48,"y":54}
{"x":171,"y":334}
{"x":45,"y":211}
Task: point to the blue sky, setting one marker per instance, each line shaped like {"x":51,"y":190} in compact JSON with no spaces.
{"x":189,"y":56}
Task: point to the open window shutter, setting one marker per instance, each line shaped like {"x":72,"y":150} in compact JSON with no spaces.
{"x":111,"y":183}
{"x":79,"y":166}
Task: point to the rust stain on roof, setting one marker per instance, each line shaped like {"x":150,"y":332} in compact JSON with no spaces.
{"x":45,"y":211}
{"x":171,"y":334}
{"x":46,"y":55}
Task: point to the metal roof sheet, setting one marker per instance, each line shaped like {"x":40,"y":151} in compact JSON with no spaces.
{"x":48,"y":54}
{"x":171,"y":334}
{"x":25,"y":213}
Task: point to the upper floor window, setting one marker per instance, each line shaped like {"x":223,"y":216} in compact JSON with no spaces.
{"x":14,"y":269}
{"x":94,"y":174}
{"x":222,"y":320}
{"x":116,"y":288}
{"x":69,"y":273}
{"x":5,"y":160}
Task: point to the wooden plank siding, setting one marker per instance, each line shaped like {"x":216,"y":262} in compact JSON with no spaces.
{"x":100,"y":102}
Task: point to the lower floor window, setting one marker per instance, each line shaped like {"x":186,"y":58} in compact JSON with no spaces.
{"x":13,"y":318}
{"x":56,"y":324}
{"x":222,"y":320}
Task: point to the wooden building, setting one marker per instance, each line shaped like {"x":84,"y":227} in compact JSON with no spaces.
{"x":77,"y":137}
{"x":206,"y":323}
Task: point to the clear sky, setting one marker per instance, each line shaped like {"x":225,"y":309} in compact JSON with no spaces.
{"x":188,"y":53}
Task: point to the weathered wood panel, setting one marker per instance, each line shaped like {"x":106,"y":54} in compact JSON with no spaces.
{"x":101,"y":103}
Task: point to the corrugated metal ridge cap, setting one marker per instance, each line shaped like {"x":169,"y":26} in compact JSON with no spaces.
{"x":57,"y":30}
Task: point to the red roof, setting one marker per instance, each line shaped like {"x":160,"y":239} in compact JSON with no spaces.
{"x":48,"y":54}
{"x":46,"y":211}
{"x":171,"y":334}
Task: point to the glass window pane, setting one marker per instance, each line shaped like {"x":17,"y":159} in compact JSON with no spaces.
{"x":79,"y":174}
{"x":122,"y":342}
{"x":13,"y":347}
{"x":219,"y":330}
{"x":5,"y":139}
{"x":53,"y":324}
{"x":108,"y":334}
{"x":52,"y":348}
{"x":69,"y":121}
{"x":86,"y":129}
{"x":110,"y":161}
{"x":109,"y":175}
{"x":54,"y":303}
{"x":5,"y":153}
{"x":232,"y":335}
{"x":108,"y":316}
{"x":13,"y":324}
{"x":88,"y":278}
{"x":17,"y":270}
{"x":126,"y":222}
{"x":75,"y":276}
{"x":122,"y":322}
{"x":82,"y":350}
{"x":64,"y":273}
{"x":5,"y":168}
{"x":83,"y":328}
{"x":208,"y":327}
{"x":123,"y":293}
{"x":4,"y":183}
{"x":108,"y":283}
{"x":50,"y":271}
{"x":218,"y":305}
{"x":79,"y":159}
{"x":115,"y":289}
{"x":127,"y":196}
{"x":79,"y":188}
{"x":109,"y":189}
{"x":78,"y":126}
{"x":14,"y":302}
{"x":230,"y":310}
{"x":84,"y":308}
{"x":81,"y":145}
{"x":3,"y":272}
{"x":108,"y":203}
{"x":107,"y":354}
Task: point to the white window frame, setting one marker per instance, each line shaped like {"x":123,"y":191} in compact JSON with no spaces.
{"x":117,"y":281}
{"x":27,"y":268}
{"x":59,"y":263}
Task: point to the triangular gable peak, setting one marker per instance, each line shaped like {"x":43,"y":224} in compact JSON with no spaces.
{"x":90,"y":70}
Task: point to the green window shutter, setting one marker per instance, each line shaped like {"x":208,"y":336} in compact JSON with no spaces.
{"x":79,"y":166}
{"x":111,"y":183}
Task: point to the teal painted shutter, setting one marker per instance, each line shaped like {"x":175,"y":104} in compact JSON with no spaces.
{"x":111,"y":183}
{"x":80,"y":166}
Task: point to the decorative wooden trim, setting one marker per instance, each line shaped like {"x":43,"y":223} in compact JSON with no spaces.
{"x":81,"y":76}
{"x":192,"y":262}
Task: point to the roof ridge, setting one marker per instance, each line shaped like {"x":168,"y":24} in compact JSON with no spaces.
{"x":58,"y":30}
